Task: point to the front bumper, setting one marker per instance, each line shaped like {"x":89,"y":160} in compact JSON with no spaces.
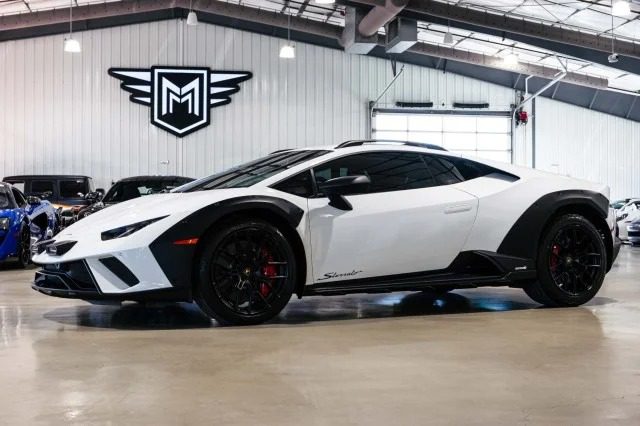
{"x":74,"y":280}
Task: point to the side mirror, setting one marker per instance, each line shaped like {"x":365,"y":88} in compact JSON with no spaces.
{"x":93,"y":197}
{"x":33,"y":200}
{"x":101,"y":191}
{"x":336,"y":188}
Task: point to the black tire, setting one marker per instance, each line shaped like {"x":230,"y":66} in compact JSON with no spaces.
{"x":246,"y":272}
{"x":24,"y":247}
{"x":571,"y":263}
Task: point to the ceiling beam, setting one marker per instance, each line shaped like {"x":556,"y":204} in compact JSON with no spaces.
{"x":279,"y":20}
{"x":244,"y":18}
{"x":426,"y":9}
{"x":498,"y":63}
{"x":133,"y":7}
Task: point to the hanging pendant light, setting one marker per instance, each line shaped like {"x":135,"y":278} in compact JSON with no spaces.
{"x":192,"y":18}
{"x":448,"y":37}
{"x":288,"y":51}
{"x":621,"y":8}
{"x":71,"y":45}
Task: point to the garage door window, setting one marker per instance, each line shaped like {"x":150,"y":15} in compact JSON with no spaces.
{"x":479,"y":136}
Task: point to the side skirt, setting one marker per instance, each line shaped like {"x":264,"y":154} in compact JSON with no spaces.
{"x":469,"y":270}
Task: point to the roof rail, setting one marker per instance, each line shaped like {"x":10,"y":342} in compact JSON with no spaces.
{"x":349,"y":144}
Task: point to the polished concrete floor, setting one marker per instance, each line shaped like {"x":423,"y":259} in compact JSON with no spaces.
{"x":487,"y":356}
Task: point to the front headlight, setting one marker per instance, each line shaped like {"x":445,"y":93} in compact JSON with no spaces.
{"x":5,"y":223}
{"x":125,"y":231}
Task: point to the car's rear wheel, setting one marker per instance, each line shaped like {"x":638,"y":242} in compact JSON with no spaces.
{"x":571,"y":263}
{"x":24,"y":247}
{"x":246,"y":273}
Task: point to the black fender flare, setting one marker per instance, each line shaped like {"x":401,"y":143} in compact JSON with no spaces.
{"x":523,"y":238}
{"x":176,"y":261}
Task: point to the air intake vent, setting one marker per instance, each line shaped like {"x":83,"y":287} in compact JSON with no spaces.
{"x":120,"y":271}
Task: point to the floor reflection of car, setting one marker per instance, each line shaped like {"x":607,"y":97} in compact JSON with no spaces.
{"x":130,"y":188}
{"x":24,"y":221}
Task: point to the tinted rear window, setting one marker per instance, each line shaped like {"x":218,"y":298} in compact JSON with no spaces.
{"x":71,"y":188}
{"x":42,"y":187}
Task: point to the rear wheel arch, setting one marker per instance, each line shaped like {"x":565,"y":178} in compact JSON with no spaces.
{"x":542,"y":213}
{"x":593,"y":216}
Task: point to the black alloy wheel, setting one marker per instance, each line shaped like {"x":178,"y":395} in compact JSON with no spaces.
{"x":575,"y":260}
{"x":247,"y":273}
{"x":571,"y":263}
{"x":24,"y":247}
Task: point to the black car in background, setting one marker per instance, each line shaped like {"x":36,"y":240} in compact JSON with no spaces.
{"x":133,"y":187}
{"x":66,"y":191}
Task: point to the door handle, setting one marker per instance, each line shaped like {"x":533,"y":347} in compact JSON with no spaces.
{"x":458,"y":208}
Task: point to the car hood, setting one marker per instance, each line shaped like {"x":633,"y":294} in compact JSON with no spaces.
{"x":149,"y":207}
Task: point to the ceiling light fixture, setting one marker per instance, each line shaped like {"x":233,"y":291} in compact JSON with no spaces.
{"x":192,"y":18}
{"x":288,"y":51}
{"x":448,"y":37}
{"x":613,"y":58}
{"x":621,"y":8}
{"x":71,"y":45}
{"x":511,"y":59}
{"x":325,"y":1}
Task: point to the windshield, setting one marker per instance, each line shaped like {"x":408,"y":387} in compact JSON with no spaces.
{"x":253,"y":172}
{"x":123,"y":191}
{"x":4,"y":199}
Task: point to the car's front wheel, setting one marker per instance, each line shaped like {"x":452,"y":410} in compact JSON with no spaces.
{"x":24,"y":247}
{"x":246,"y":272}
{"x":571,"y":263}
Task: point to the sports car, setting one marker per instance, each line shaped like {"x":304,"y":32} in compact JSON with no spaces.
{"x":363,"y":216}
{"x":24,"y":221}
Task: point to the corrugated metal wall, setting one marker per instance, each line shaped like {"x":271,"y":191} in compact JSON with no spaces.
{"x":581,"y":143}
{"x":62,"y":113}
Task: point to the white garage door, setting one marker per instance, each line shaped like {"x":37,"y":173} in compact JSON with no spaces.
{"x":484,"y":136}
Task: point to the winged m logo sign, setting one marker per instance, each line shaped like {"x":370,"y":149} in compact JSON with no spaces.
{"x":180,"y":97}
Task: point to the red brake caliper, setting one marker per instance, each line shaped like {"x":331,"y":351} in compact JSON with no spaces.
{"x":268,"y":271}
{"x":555,"y":251}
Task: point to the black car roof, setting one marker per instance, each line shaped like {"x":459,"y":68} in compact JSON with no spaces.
{"x":28,"y":177}
{"x":156,"y":177}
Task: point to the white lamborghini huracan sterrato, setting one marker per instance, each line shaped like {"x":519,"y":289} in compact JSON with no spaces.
{"x":364,"y":216}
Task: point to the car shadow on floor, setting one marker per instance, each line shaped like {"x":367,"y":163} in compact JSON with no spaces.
{"x":133,"y":316}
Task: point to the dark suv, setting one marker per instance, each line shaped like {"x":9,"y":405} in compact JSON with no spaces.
{"x":66,"y":191}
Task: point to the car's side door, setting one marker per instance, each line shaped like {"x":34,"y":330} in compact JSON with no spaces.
{"x":409,"y":220}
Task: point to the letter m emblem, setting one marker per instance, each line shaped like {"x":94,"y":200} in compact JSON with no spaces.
{"x":181,"y":99}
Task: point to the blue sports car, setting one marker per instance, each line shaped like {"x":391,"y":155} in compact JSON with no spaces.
{"x":23,"y":222}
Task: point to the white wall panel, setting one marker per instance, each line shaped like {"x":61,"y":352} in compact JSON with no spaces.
{"x":62,"y":113}
{"x":581,"y":143}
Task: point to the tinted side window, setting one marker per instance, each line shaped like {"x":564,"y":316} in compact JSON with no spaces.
{"x":71,"y":188}
{"x":443,"y":170}
{"x":5,"y":201}
{"x":299,"y":184}
{"x":388,"y":171}
{"x":472,"y":170}
{"x":20,"y":200}
{"x":41,"y":187}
